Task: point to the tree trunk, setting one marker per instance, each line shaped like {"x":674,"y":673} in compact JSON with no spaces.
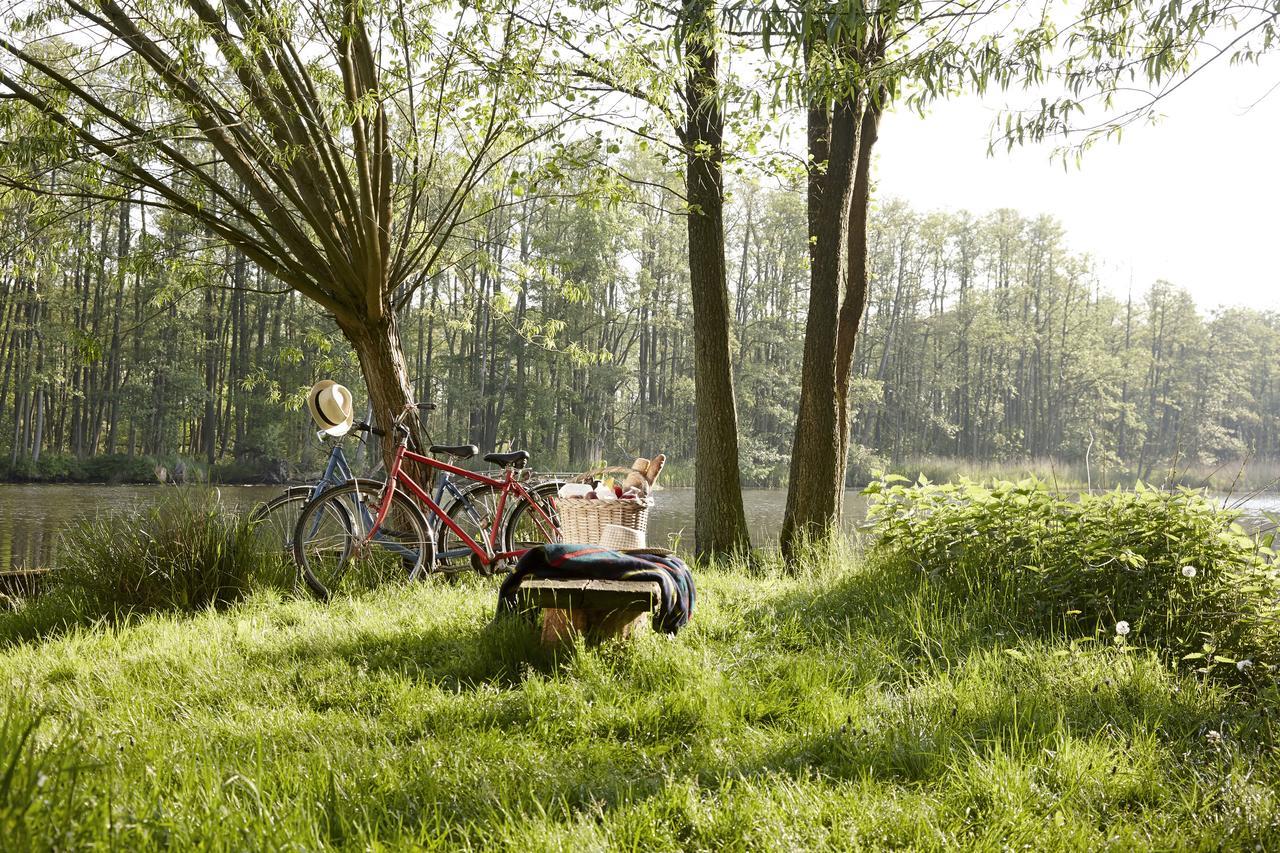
{"x":209,"y":422}
{"x":855,"y":297}
{"x":720,"y":526}
{"x":817,"y":477}
{"x":386,"y":375}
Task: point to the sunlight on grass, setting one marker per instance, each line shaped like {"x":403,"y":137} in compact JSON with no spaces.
{"x":854,"y":706}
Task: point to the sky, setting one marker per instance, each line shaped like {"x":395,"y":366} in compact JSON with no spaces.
{"x":1193,"y":199}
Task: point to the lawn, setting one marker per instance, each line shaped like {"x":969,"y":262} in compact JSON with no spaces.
{"x":857,"y":706}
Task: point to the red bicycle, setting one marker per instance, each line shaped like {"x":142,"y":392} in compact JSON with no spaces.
{"x":380,"y":530}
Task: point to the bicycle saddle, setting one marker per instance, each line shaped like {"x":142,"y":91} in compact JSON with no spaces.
{"x":516,"y":458}
{"x":457,"y":451}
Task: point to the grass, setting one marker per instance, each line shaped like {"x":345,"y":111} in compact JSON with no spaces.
{"x":855,"y":706}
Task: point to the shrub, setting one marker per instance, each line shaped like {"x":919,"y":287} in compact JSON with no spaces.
{"x":60,"y":467}
{"x":52,"y":467}
{"x":1176,"y":569}
{"x":186,"y":553}
{"x":119,"y":468}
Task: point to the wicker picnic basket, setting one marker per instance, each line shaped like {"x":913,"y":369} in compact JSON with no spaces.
{"x":582,"y":520}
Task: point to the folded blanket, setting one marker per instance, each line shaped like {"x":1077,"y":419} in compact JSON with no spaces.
{"x":575,"y":562}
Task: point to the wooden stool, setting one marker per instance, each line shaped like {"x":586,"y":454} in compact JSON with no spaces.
{"x":597,"y":609}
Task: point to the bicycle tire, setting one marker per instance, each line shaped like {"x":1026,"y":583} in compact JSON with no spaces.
{"x":274,"y":521}
{"x":330,"y":539}
{"x":515,"y":538}
{"x":473,"y":511}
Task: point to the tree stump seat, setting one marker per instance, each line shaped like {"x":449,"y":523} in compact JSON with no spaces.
{"x":596,"y":609}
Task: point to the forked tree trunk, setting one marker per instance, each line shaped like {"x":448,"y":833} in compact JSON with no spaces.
{"x":720,"y":526}
{"x":817,"y":477}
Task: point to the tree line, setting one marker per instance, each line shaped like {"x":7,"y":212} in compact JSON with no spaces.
{"x":569,"y":333}
{"x":364,"y":153}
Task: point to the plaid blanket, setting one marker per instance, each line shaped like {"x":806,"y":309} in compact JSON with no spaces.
{"x":574,"y":562}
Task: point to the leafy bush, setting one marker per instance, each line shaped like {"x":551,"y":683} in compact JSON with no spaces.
{"x":119,"y":468}
{"x":52,"y":467}
{"x":65,"y":468}
{"x":1169,"y":569}
{"x":186,"y":553}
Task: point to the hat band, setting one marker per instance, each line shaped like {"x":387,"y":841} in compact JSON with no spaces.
{"x":319,"y":409}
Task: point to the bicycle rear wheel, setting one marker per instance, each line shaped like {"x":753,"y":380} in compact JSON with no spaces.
{"x":335,"y":551}
{"x":274,"y":521}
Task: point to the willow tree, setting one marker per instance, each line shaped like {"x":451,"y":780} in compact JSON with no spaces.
{"x":1120,"y":61}
{"x":339,"y":146}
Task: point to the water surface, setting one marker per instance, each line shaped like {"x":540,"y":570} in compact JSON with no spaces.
{"x":32,"y":517}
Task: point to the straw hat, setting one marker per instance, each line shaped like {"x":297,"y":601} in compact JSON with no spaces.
{"x":330,"y":407}
{"x":615,"y":537}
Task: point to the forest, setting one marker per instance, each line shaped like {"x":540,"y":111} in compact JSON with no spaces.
{"x":206,"y":207}
{"x":986,"y":336}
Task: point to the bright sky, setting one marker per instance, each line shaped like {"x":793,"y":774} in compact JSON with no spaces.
{"x":1193,"y":199}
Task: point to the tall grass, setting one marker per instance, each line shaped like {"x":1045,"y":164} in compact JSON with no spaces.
{"x":187,"y":552}
{"x":41,"y":763}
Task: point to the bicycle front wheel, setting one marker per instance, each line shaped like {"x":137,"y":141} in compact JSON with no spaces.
{"x":337,"y":548}
{"x":473,"y":510}
{"x":533,"y":522}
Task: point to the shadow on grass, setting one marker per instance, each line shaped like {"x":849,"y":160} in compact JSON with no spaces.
{"x":935,"y":685}
{"x":448,"y":656}
{"x":949,"y":693}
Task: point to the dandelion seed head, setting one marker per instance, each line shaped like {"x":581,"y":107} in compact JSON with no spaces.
{"x":1122,"y":628}
{"x":1188,"y":571}
{"x":1244,"y":665}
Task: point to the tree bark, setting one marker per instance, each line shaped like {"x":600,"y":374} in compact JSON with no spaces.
{"x":720,"y":526}
{"x":855,"y":297}
{"x":817,"y":475}
{"x":386,"y":374}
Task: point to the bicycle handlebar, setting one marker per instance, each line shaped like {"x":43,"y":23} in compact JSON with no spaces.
{"x":399,"y":423}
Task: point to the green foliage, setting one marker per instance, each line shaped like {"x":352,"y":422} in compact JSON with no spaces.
{"x":185,"y":553}
{"x":1170,"y":570}
{"x":111,"y":468}
{"x":118,"y":468}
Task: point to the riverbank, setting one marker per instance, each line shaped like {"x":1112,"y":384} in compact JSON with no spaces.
{"x":853,"y":706}
{"x":122,"y":469}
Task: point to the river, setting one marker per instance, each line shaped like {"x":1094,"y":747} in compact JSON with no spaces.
{"x":33,"y":516}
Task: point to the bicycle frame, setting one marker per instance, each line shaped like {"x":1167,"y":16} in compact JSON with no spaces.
{"x":487,"y":553}
{"x":338,"y":471}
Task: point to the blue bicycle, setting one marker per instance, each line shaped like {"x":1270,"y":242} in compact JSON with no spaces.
{"x":274,"y":521}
